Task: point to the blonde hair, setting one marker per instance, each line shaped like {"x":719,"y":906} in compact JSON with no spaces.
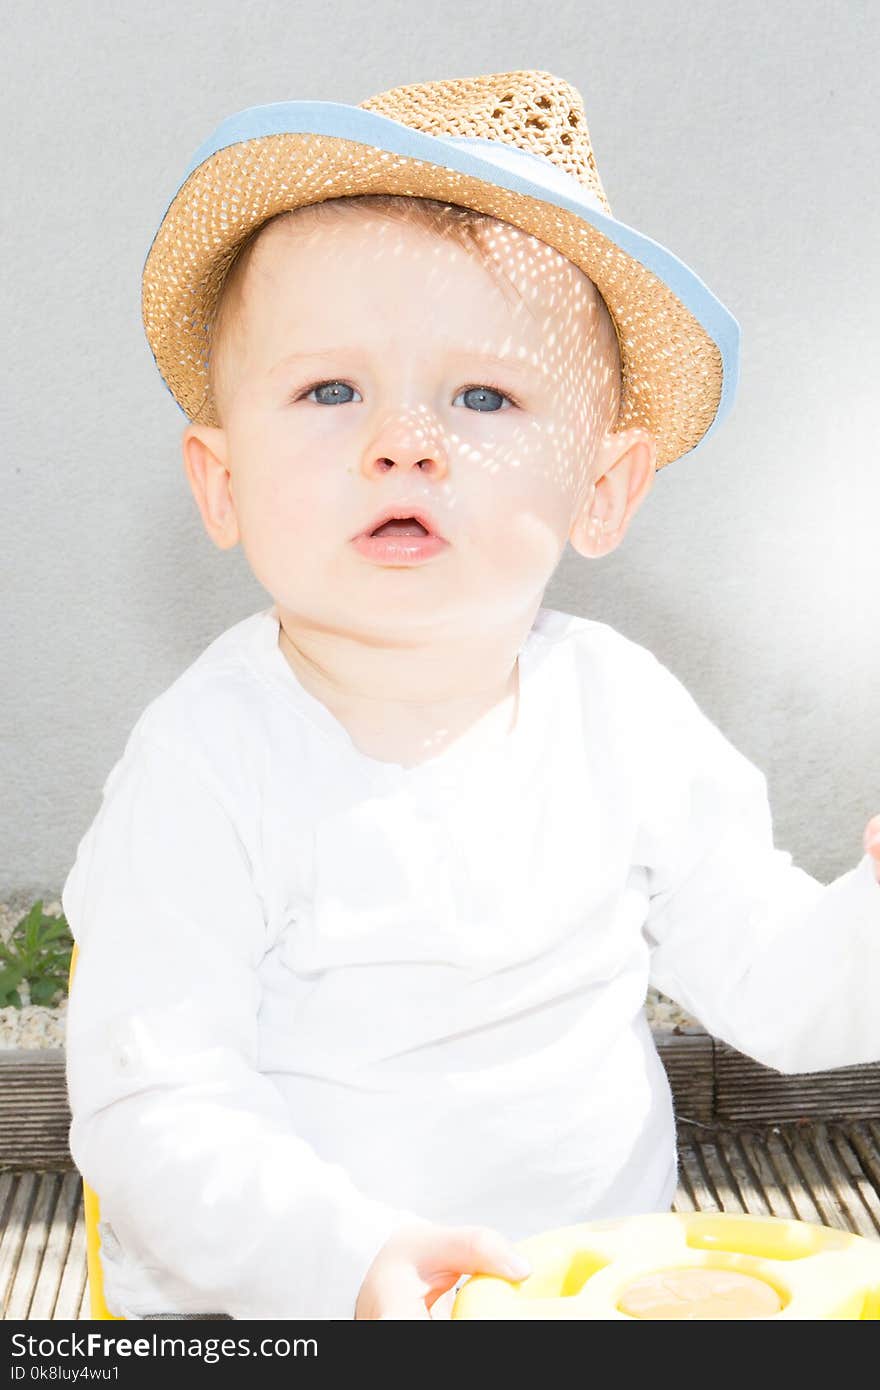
{"x":460,"y":224}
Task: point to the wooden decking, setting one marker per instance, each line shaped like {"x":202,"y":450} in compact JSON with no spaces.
{"x":42,"y":1246}
{"x":827,"y":1172}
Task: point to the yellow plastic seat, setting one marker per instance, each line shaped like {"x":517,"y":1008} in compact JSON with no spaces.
{"x":92,"y":1210}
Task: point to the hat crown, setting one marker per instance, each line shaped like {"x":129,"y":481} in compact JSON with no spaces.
{"x":534,"y":111}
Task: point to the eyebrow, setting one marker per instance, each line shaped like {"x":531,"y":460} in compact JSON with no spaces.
{"x":514,"y":364}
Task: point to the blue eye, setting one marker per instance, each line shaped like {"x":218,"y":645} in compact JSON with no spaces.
{"x":483,"y":397}
{"x":333,"y":388}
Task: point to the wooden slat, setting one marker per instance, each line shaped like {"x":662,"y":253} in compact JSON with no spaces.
{"x":722,"y":1181}
{"x":7,"y":1183}
{"x":825,"y":1193}
{"x":73,"y":1284}
{"x":791,"y":1179}
{"x":856,"y":1175}
{"x":747,"y":1092}
{"x":683,"y":1201}
{"x":775,"y":1192}
{"x":848,"y":1181}
{"x":34,"y":1109}
{"x":689,"y":1060}
{"x":33,"y":1247}
{"x":52,"y":1269}
{"x":752,"y":1194}
{"x":14,"y":1232}
{"x":865,"y":1142}
{"x":694,"y":1179}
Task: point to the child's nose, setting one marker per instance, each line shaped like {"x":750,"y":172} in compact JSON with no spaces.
{"x":407,"y":440}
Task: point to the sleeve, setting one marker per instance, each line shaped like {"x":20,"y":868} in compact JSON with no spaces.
{"x":770,"y":960}
{"x":191,"y":1150}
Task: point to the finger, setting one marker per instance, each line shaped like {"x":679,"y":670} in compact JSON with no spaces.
{"x":472,"y":1250}
{"x":872,"y":843}
{"x":441,"y":1308}
{"x":399,"y":1292}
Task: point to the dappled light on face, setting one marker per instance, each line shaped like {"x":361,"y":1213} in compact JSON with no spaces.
{"x":510,"y":308}
{"x":560,"y":332}
{"x":382,"y":364}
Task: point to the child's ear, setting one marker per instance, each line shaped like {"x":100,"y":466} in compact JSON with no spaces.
{"x":621,"y":477}
{"x":205,"y":464}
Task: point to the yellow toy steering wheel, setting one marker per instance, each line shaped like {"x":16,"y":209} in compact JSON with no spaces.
{"x":712,"y":1265}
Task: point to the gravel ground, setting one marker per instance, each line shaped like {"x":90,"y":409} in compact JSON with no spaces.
{"x":35,"y":1025}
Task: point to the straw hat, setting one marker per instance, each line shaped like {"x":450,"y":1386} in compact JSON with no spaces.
{"x":511,"y":144}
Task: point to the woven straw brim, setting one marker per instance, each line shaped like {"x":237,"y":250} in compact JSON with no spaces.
{"x":672,"y":371}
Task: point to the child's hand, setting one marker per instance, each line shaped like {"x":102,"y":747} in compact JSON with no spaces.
{"x":872,"y":843}
{"x":421,"y":1261}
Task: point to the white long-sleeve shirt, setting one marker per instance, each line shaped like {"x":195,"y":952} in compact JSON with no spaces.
{"x":319,"y":994}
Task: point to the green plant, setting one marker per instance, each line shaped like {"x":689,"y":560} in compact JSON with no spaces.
{"x":38,"y":951}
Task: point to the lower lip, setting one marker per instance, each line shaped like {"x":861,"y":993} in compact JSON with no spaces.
{"x":399,"y":550}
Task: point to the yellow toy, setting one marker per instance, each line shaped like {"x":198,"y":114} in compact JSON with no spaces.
{"x":711,"y":1265}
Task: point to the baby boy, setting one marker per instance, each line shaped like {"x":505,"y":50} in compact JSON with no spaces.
{"x":369,"y":911}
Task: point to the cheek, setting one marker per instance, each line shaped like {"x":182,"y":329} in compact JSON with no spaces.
{"x":520,"y":523}
{"x":284,"y":510}
{"x":533,"y":477}
{"x":565,"y":464}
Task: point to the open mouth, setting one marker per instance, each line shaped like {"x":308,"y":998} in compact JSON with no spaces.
{"x":401,"y":526}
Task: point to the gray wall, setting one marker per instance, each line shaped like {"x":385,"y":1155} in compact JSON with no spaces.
{"x":742,"y":136}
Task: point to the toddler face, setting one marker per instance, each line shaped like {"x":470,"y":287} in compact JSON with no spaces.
{"x":379,"y":367}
